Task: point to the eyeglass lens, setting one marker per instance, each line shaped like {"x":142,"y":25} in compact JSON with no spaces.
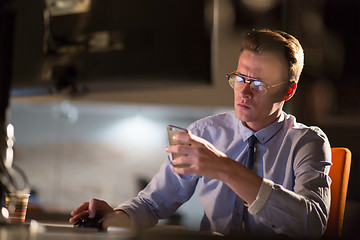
{"x":239,"y":81}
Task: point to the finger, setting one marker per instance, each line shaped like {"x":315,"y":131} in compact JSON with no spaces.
{"x":79,"y":216}
{"x":182,"y":162}
{"x":93,"y":203}
{"x":182,"y":137}
{"x":180,"y":148}
{"x":183,"y":170}
{"x":169,"y":148}
{"x":82,"y":207}
{"x":173,"y":149}
{"x":190,"y":140}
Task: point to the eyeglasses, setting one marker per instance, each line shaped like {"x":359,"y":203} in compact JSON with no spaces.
{"x":237,"y":81}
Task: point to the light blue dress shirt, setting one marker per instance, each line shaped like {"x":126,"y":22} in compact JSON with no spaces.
{"x":294,"y":198}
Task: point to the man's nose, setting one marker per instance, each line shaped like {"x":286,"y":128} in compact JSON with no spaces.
{"x":245,"y":90}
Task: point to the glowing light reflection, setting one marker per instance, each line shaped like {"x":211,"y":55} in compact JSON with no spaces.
{"x":136,"y":131}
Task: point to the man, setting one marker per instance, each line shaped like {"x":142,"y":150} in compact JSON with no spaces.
{"x":284,"y":190}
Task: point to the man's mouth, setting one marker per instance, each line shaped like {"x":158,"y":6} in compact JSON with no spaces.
{"x":243,"y":105}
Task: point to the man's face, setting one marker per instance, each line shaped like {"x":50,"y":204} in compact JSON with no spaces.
{"x":258,"y":111}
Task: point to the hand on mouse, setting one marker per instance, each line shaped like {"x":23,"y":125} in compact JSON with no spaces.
{"x":87,"y":222}
{"x":90,"y":209}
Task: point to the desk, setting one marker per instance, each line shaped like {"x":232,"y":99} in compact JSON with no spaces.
{"x":56,"y":232}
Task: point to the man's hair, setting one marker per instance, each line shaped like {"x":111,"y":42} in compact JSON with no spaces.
{"x":279,"y":42}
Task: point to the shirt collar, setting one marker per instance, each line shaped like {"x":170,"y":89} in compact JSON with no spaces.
{"x":264,"y":134}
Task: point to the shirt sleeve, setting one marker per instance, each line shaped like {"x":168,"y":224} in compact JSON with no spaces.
{"x":165,"y":193}
{"x":262,"y":197}
{"x":301,"y":212}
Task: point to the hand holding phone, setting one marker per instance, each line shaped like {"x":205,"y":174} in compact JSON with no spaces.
{"x":172,"y":130}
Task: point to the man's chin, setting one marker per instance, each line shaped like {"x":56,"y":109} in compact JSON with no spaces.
{"x":243,"y":117}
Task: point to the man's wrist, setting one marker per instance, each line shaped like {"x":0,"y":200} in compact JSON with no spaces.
{"x":117,"y":219}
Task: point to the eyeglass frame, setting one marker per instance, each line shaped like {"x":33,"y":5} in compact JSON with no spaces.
{"x":249,"y":80}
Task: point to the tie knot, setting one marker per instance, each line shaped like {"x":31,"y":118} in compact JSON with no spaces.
{"x":252,"y":140}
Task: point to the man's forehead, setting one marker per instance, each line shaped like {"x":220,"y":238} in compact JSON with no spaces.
{"x":256,"y":65}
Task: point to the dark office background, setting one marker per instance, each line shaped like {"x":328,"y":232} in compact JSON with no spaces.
{"x":329,"y":89}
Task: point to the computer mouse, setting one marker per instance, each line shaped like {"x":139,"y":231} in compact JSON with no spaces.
{"x":87,"y":222}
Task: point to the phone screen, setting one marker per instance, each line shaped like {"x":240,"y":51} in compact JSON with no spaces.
{"x":172,"y":130}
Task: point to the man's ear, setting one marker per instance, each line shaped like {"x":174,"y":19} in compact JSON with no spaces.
{"x":291,"y":91}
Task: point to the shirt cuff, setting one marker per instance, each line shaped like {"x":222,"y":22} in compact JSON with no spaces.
{"x":263,"y":195}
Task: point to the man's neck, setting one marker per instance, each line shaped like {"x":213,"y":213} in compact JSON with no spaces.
{"x":258,"y":126}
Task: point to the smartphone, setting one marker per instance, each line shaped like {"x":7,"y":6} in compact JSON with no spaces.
{"x":172,"y":130}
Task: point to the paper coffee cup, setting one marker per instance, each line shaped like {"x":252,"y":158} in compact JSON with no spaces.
{"x":17,"y":206}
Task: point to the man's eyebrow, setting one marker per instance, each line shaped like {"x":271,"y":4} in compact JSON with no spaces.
{"x":254,"y":78}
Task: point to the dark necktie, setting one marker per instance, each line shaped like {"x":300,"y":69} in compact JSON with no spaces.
{"x":240,"y":211}
{"x":250,"y":159}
